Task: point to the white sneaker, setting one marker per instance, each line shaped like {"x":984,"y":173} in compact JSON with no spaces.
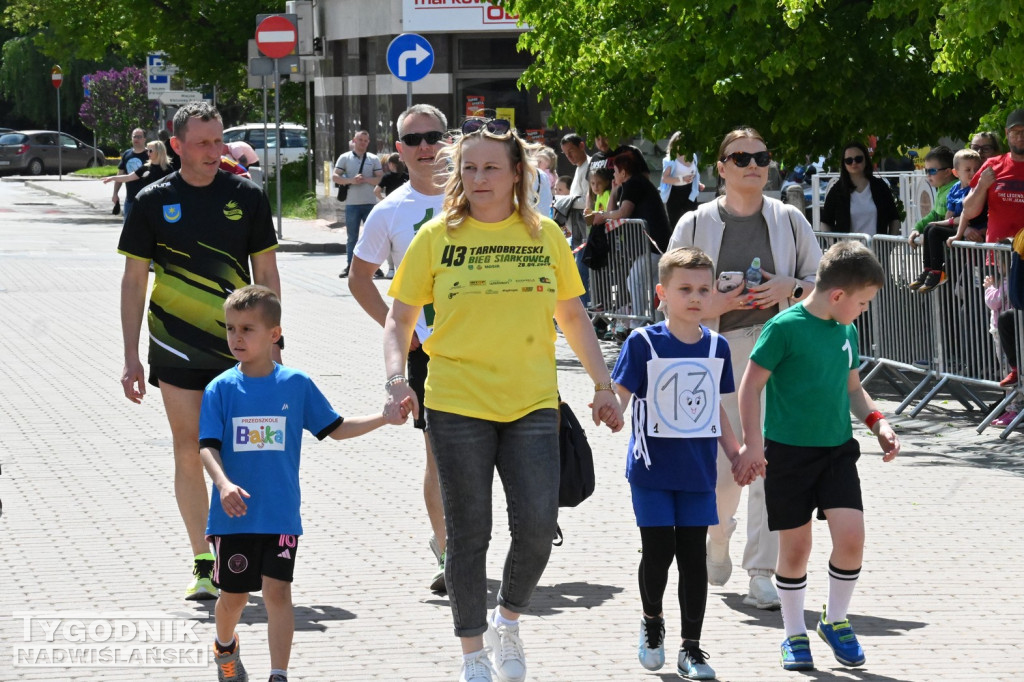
{"x":719,"y":563}
{"x":476,"y":669}
{"x":762,"y":592}
{"x":506,"y":651}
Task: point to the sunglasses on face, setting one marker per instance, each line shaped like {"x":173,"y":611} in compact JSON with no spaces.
{"x":850,"y":160}
{"x":743,"y":159}
{"x":494,"y":126}
{"x":933,"y":171}
{"x":414,"y":139}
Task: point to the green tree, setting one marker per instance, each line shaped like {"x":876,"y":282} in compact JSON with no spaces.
{"x":809,"y":74}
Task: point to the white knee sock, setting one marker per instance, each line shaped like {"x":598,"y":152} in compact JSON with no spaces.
{"x":840,"y":591}
{"x":791,"y":594}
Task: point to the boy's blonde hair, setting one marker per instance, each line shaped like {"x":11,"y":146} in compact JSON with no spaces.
{"x":256,"y":297}
{"x":850,"y":266}
{"x":965,"y":154}
{"x":686,"y":257}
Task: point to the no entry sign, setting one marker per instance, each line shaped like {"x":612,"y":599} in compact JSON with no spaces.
{"x":56,"y":76}
{"x":276,"y":37}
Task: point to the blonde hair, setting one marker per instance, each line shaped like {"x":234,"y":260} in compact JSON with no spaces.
{"x":159,"y":154}
{"x":965,"y":154}
{"x":456,"y":204}
{"x":685,"y":257}
{"x":549,"y":154}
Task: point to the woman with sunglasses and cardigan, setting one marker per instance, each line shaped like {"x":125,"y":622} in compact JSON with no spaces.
{"x":496,"y":273}
{"x":859,"y":202}
{"x":737,"y":227}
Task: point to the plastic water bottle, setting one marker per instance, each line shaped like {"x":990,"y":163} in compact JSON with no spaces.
{"x":754,"y":273}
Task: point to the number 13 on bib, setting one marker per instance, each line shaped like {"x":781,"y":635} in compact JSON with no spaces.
{"x":682,"y":397}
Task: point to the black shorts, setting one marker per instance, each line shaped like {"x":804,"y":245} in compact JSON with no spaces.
{"x":183,"y":377}
{"x":800,"y":479}
{"x":417,"y":365}
{"x":243,"y":559}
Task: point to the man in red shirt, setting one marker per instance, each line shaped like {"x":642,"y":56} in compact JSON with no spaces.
{"x":1000,"y":184}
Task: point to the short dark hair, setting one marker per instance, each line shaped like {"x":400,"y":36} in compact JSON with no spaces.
{"x":626,"y":163}
{"x":572,"y":138}
{"x":202,"y":110}
{"x":256,"y":297}
{"x":941,"y":154}
{"x":850,"y":266}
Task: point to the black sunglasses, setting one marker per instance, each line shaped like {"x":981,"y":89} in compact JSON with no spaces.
{"x":742,"y":159}
{"x":414,"y":139}
{"x":850,"y":160}
{"x":494,"y":126}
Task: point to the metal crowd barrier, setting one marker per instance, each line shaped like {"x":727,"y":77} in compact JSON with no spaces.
{"x":942,"y":336}
{"x":624,"y":289}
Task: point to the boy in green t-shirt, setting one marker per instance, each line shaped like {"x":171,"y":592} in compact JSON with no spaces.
{"x":807,"y":356}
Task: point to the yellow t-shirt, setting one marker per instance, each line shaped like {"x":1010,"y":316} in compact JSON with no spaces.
{"x":601,"y":200}
{"x":494,"y":290}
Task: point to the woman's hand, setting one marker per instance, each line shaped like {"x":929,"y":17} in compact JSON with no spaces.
{"x":725,"y":302}
{"x":606,"y":409}
{"x":772,"y":291}
{"x":401,"y":402}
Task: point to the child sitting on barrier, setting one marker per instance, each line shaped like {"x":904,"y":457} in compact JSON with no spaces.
{"x":940,"y":233}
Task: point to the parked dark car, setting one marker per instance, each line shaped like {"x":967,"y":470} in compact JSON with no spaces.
{"x":34,"y":152}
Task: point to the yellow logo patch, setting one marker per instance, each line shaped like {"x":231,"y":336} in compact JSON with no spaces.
{"x":232,"y":212}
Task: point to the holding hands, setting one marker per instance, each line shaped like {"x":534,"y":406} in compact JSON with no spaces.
{"x":748,"y":465}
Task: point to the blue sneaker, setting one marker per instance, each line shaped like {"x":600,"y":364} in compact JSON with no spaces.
{"x":796,"y":653}
{"x":840,"y":637}
{"x":651,"y":647}
{"x":692,"y":664}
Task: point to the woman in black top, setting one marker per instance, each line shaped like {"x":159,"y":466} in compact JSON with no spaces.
{"x":394,"y":176}
{"x":847,"y":209}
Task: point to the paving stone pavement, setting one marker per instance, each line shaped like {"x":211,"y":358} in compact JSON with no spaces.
{"x":92,"y":531}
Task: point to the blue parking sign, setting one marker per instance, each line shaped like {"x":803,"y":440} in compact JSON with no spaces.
{"x":410,"y":57}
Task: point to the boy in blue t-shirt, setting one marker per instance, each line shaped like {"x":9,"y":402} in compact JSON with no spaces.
{"x":675,"y":372}
{"x":807,"y":356}
{"x":250,"y":433}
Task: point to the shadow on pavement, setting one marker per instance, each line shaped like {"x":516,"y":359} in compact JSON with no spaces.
{"x":307,"y":618}
{"x":551,"y":599}
{"x":865,"y":625}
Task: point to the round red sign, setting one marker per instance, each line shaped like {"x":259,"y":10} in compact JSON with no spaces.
{"x":276,"y":37}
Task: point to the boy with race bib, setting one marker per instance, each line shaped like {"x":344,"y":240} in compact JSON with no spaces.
{"x":675,"y":371}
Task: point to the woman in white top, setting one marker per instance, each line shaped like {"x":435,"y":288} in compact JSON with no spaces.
{"x":678,"y":177}
{"x":859,"y":202}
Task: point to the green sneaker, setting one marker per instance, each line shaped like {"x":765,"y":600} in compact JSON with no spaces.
{"x":201,"y":586}
{"x":437,"y":583}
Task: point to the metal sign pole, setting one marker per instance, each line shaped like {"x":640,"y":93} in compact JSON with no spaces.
{"x":408,"y":95}
{"x":266,"y":143}
{"x":60,"y":147}
{"x":277,"y":146}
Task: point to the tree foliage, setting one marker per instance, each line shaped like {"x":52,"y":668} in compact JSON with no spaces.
{"x":809,"y":74}
{"x":117,"y":104}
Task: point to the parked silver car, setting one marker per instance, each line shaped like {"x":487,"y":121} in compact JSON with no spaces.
{"x":34,"y":152}
{"x":294,"y":139}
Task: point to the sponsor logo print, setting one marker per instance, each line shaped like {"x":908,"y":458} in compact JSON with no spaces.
{"x":238,"y":563}
{"x":259,"y":433}
{"x":285,"y":554}
{"x":231,"y":211}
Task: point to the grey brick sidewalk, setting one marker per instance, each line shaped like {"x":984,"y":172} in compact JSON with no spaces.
{"x":91,"y":526}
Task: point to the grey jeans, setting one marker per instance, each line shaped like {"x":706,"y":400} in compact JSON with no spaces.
{"x":467,"y":451}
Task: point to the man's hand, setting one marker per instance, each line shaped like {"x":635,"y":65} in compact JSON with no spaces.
{"x":133,"y":381}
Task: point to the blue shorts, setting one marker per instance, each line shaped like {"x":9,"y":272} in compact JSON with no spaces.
{"x":654,"y":507}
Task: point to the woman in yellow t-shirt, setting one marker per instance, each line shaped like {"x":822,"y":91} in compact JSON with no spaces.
{"x":495,"y":273}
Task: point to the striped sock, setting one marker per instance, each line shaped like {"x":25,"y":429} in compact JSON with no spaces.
{"x":791,"y":594}
{"x":840,"y":590}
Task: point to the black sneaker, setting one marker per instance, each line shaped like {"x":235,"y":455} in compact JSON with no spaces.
{"x":934,"y":279}
{"x":916,"y":284}
{"x":344,"y":273}
{"x":378,"y":274}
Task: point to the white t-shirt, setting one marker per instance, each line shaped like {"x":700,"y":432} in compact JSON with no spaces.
{"x":863,"y":212}
{"x":581,"y":185}
{"x":390,"y":227}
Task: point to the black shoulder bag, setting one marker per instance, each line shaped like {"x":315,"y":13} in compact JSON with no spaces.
{"x":343,"y":189}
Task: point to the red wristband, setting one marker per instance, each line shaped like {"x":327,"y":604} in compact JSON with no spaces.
{"x":873,"y":418}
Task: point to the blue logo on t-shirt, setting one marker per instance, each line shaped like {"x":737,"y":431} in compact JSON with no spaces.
{"x":133,"y":164}
{"x":172,"y":213}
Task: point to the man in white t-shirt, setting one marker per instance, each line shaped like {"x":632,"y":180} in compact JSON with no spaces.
{"x":387,"y":232}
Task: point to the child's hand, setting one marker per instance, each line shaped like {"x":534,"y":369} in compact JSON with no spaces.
{"x":889,"y":441}
{"x":914,"y":239}
{"x":748,"y":466}
{"x":231,"y":499}
{"x":606,"y":409}
{"x":988,"y":281}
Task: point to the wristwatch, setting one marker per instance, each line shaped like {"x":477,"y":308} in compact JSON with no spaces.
{"x":798,"y":290}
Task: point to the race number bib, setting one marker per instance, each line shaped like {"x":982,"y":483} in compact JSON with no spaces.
{"x":682,"y":397}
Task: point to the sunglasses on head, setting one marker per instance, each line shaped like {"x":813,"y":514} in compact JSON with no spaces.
{"x":414,"y":139}
{"x":850,"y":160}
{"x":494,"y":126}
{"x":743,"y":159}
{"x":933,"y":171}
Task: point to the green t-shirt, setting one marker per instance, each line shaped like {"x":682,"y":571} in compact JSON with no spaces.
{"x":807,"y":402}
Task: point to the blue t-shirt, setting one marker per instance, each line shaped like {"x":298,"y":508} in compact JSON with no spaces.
{"x":257,"y":424}
{"x":955,"y":203}
{"x":687,"y":464}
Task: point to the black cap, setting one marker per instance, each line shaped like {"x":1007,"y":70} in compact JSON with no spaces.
{"x":1016,"y":118}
